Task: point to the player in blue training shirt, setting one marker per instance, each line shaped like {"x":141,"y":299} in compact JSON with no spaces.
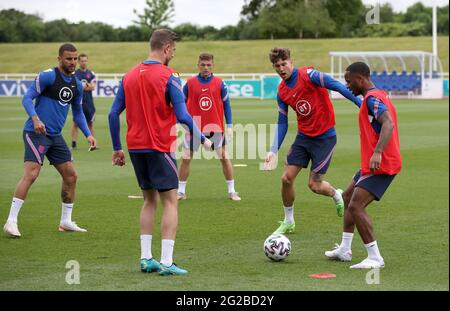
{"x":89,"y":81}
{"x":53,"y":91}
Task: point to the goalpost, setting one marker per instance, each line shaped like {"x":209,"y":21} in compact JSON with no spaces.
{"x":412,"y":74}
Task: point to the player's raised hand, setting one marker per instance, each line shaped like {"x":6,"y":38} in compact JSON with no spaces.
{"x":39,"y":126}
{"x":118,"y":158}
{"x":92,"y":143}
{"x":207,"y":144}
{"x":271,"y":161}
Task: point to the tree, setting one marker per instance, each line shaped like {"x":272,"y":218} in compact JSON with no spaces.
{"x":187,"y":31}
{"x":157,"y":14}
{"x":272,"y":21}
{"x":228,"y":33}
{"x":132,"y":33}
{"x":57,"y":31}
{"x":442,"y":16}
{"x":310,"y":18}
{"x":249,"y":30}
{"x":252,"y":8}
{"x":386,"y":13}
{"x":348,"y":15}
{"x":16,"y":26}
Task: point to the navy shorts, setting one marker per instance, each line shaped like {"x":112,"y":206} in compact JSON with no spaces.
{"x":155,"y":170}
{"x":217,"y":138}
{"x":39,"y":145}
{"x":318,"y":151}
{"x":89,"y":111}
{"x":375,"y":184}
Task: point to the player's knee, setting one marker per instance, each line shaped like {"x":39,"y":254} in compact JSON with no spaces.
{"x":354,"y":208}
{"x":225,"y":161}
{"x":346,"y":196}
{"x":314,"y":186}
{"x":287,"y":180}
{"x":71,"y":178}
{"x":186,"y":159}
{"x":31,"y":176}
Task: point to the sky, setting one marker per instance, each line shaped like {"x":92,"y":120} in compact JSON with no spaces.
{"x":119,"y":13}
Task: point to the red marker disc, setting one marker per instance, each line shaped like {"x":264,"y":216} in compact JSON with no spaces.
{"x":322,"y":275}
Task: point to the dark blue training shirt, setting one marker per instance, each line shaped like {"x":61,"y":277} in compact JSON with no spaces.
{"x":86,"y":76}
{"x":51,"y":112}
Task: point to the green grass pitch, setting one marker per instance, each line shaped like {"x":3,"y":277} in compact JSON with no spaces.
{"x":219,"y":241}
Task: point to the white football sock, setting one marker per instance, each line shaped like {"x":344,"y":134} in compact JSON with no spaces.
{"x":66,"y":213}
{"x":337,"y":195}
{"x":373,"y":251}
{"x":230,"y":185}
{"x":346,"y":243}
{"x":146,"y":246}
{"x":167,"y":252}
{"x":16,"y":204}
{"x":289,"y":214}
{"x":182,"y":186}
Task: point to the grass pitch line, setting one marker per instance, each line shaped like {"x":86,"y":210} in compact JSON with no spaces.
{"x":135,"y":197}
{"x":240,"y":165}
{"x":322,"y":275}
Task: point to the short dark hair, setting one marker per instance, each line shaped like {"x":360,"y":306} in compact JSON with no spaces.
{"x":359,"y":68}
{"x":161,"y":37}
{"x":82,"y":55}
{"x":279,"y":53}
{"x":206,"y":56}
{"x":67,"y":47}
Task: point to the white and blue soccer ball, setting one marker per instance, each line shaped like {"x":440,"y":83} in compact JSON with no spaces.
{"x":277,"y":247}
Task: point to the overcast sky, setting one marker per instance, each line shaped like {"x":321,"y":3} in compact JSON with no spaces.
{"x":119,"y":13}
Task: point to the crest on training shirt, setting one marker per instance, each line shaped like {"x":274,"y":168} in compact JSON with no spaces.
{"x":205,"y":103}
{"x":303,"y":107}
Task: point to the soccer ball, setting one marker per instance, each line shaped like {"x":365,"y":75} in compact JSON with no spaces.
{"x":277,"y":247}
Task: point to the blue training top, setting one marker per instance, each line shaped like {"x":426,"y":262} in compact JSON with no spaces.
{"x":86,"y":76}
{"x":52,"y":112}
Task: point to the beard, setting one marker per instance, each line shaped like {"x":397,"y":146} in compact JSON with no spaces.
{"x":68,"y":69}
